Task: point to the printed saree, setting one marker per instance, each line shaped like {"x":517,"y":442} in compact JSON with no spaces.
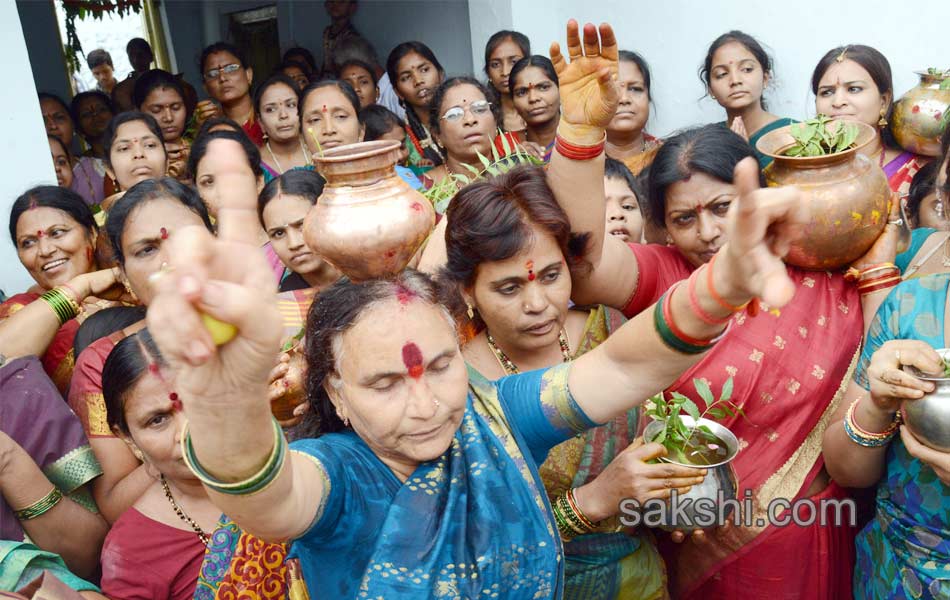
{"x":22,"y":562}
{"x":33,"y":414}
{"x":790,"y":367}
{"x":473,"y":523}
{"x":640,"y":162}
{"x":900,"y":171}
{"x":904,"y":552}
{"x":58,"y":358}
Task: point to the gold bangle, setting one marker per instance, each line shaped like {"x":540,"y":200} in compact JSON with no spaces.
{"x":40,"y":507}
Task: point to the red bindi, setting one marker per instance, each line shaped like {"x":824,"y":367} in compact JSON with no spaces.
{"x":39,"y":233}
{"x":176,"y":403}
{"x":412,"y":358}
{"x":324,"y":108}
{"x":164,"y":233}
{"x":153,"y":369}
{"x":530,"y":266}
{"x":404,"y":295}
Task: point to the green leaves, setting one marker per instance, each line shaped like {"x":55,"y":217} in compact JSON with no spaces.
{"x":813,"y":137}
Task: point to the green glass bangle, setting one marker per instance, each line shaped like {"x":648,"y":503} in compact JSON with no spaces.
{"x":40,"y":507}
{"x":252,"y":484}
{"x":59,"y":304}
{"x":667,"y":335}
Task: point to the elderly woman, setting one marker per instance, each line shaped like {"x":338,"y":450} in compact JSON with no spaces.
{"x":421,"y":481}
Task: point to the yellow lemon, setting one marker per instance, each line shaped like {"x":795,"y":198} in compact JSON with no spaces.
{"x":221,"y":332}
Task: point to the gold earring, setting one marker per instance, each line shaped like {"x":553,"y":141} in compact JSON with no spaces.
{"x":470,"y":311}
{"x":883,"y":120}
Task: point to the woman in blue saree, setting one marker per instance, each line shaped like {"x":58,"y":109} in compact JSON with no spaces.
{"x":422,"y":483}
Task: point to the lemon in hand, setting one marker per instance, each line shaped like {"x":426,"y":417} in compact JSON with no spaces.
{"x":221,"y":332}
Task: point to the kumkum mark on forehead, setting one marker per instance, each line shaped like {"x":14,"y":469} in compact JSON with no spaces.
{"x":530,"y":267}
{"x":412,"y":358}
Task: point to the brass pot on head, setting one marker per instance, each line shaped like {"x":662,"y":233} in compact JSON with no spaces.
{"x":917,"y":121}
{"x":368,"y":223}
{"x":847,"y":194}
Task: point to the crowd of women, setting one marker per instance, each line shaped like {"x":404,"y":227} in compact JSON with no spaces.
{"x":472,"y":424}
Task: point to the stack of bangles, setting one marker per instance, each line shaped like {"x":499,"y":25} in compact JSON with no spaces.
{"x":576,"y":151}
{"x":866,"y":438}
{"x":673,"y":336}
{"x":256,"y":483}
{"x":875,"y":277}
{"x":40,"y":507}
{"x":63,"y":301}
{"x":569,"y":519}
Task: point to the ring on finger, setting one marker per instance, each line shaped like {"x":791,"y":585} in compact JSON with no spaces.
{"x":897,"y":355}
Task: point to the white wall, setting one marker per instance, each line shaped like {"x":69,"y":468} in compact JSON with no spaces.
{"x":673,"y":36}
{"x":24,"y":150}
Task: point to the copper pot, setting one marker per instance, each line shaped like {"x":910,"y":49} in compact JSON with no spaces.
{"x":846,"y":192}
{"x":368,"y":222}
{"x":917,"y":121}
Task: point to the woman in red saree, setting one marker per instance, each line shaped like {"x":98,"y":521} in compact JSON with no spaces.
{"x":54,"y":233}
{"x":788,"y":365}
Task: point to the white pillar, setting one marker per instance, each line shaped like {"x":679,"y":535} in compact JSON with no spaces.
{"x":24,"y":151}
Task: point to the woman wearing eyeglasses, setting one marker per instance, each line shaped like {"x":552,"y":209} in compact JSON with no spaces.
{"x":227,"y":79}
{"x":465,"y":125}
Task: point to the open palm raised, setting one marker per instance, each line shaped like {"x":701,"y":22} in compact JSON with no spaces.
{"x":589,"y":94}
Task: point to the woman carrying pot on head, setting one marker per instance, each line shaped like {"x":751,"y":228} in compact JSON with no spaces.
{"x":160,"y":94}
{"x":282,"y":207}
{"x":627,"y":138}
{"x":88,"y":173}
{"x":736,"y":72}
{"x":510,"y":255}
{"x":416,"y":73}
{"x":534,"y":93}
{"x":694,"y":179}
{"x":55,"y":235}
{"x":138,"y":228}
{"x":854,"y":83}
{"x":432,"y":463}
{"x":502,"y":51}
{"x":275,"y":103}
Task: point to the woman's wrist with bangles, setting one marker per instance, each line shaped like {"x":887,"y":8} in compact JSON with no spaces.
{"x":590,"y":137}
{"x":40,"y":507}
{"x":867,"y":428}
{"x":571,"y":521}
{"x":254,"y":483}
{"x":63,"y":302}
{"x":872,"y":278}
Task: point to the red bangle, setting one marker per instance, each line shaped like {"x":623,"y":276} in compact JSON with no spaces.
{"x":668,"y":315}
{"x":704,"y":316}
{"x":712,"y":289}
{"x":576,"y":152}
{"x":889,"y":278}
{"x":876,"y":288}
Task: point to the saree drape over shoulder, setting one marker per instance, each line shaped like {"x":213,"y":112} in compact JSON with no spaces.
{"x":790,"y":367}
{"x":904,"y":552}
{"x":58,"y":359}
{"x":472,"y":523}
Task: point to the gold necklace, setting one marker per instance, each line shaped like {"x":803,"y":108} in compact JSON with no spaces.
{"x":509,"y":367}
{"x":280,"y":169}
{"x":204,"y":537}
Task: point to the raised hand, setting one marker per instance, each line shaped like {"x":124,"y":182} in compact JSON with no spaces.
{"x":227,"y":278}
{"x":589,"y":94}
{"x":763,"y":222}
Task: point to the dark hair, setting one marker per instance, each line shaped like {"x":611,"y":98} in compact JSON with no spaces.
{"x":750,"y":44}
{"x":922,"y":185}
{"x":105,"y":322}
{"x":277,"y":78}
{"x":355,"y":62}
{"x":713,"y":150}
{"x":52,"y":196}
{"x":200,"y":147}
{"x":128,"y":117}
{"x":490,"y":220}
{"x":128,"y":361}
{"x":309,"y":62}
{"x":615,"y":169}
{"x":48,"y":96}
{"x":78,"y":99}
{"x":288,"y":63}
{"x":333,"y":312}
{"x":295,"y":182}
{"x":146,"y":191}
{"x":535,"y":60}
{"x":141,"y":43}
{"x":414,"y":125}
{"x":872,"y":61}
{"x":435,"y":107}
{"x":213,"y":122}
{"x":220,"y":47}
{"x":152,"y":80}
{"x":377,"y":121}
{"x":630,"y":56}
{"x":66,"y":150}
{"x":353,"y":48}
{"x":98,"y":57}
{"x":344,"y":86}
{"x":520,"y":40}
